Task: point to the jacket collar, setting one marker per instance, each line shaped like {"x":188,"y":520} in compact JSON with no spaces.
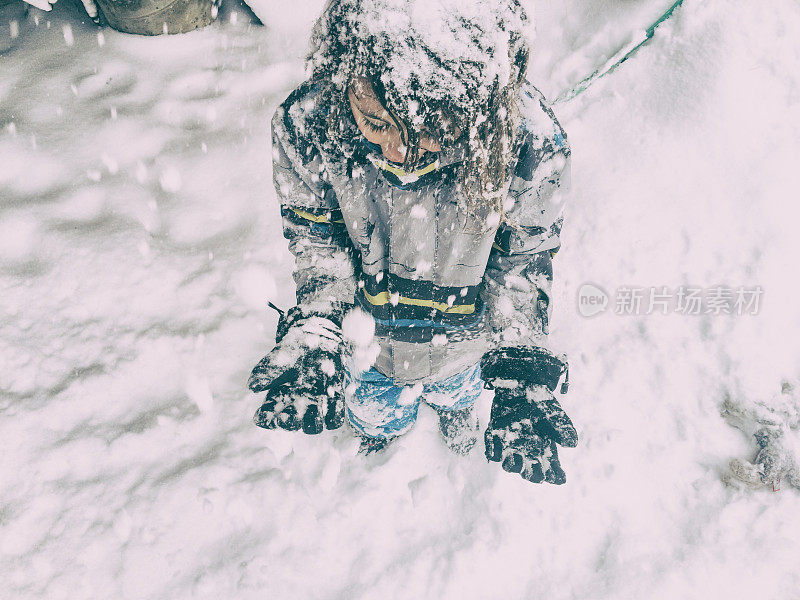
{"x":431,"y":168}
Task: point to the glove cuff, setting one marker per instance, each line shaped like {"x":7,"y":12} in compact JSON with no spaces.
{"x":333,"y":311}
{"x":530,"y":365}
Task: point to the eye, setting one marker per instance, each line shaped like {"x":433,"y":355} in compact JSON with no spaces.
{"x":376,"y":127}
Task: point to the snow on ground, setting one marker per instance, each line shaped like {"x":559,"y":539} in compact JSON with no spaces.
{"x":140,"y":241}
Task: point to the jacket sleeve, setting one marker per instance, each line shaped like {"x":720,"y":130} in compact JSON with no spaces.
{"x":519,"y":273}
{"x":312,"y":221}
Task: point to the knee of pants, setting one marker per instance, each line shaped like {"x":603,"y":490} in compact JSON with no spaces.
{"x":457,"y":392}
{"x":378,"y":408}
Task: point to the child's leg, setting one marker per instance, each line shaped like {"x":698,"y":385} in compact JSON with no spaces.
{"x":376,"y":408}
{"x":454,"y":399}
{"x":457,"y":392}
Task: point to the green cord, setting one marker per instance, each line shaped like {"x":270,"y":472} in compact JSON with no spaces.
{"x":619,"y":57}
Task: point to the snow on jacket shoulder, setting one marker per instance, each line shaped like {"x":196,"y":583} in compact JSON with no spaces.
{"x":399,"y":244}
{"x":312,"y":221}
{"x":519,"y":274}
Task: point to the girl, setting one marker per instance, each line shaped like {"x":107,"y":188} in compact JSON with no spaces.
{"x":421,"y":179}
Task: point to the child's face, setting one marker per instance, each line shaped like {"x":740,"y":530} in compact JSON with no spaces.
{"x":379,"y":126}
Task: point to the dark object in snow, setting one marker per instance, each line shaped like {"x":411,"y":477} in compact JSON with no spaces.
{"x":526,"y":420}
{"x":772,"y":464}
{"x":459,"y":428}
{"x":302,"y":375}
{"x":774,"y":422}
{"x":371,"y":445}
{"x":156,"y":17}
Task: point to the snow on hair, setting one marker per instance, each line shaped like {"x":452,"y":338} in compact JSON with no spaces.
{"x":453,"y":67}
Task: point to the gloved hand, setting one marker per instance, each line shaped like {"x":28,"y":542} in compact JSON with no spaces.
{"x":526,"y":420}
{"x":302,"y":375}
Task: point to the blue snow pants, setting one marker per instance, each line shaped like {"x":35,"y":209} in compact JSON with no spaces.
{"x":376,"y":407}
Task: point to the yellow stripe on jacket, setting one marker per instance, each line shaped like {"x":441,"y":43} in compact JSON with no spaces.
{"x":383,"y":298}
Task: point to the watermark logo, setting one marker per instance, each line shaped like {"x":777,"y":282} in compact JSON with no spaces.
{"x":684,"y":300}
{"x":592,"y":300}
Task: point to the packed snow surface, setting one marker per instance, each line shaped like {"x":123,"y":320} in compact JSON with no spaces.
{"x":140,"y":241}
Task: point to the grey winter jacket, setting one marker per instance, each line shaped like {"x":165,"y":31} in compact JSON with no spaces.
{"x":442,"y":292}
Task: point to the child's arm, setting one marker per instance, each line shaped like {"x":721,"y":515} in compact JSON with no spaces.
{"x":302,"y":375}
{"x":527,"y":422}
{"x":519,"y":274}
{"x":312,"y":222}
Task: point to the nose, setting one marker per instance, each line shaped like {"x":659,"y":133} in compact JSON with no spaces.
{"x":395,"y":152}
{"x":393,"y":147}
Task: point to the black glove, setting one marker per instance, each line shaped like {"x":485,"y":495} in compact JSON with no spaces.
{"x":527,"y":421}
{"x":302,"y":375}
